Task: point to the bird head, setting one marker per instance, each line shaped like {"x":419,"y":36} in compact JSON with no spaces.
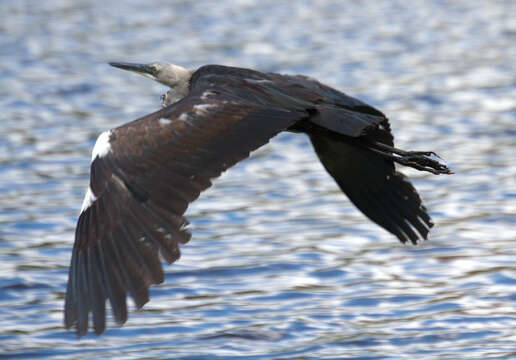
{"x":173,"y":76}
{"x":167,"y":74}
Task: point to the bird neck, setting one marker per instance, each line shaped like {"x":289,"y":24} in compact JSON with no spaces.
{"x":175,"y":94}
{"x":181,"y":90}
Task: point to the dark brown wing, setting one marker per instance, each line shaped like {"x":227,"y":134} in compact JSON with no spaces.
{"x":344,"y":139}
{"x":143,"y":176}
{"x":371,"y":182}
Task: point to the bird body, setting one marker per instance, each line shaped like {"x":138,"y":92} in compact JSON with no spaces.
{"x":146,"y":172}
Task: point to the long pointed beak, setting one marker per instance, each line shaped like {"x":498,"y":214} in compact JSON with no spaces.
{"x":141,"y":69}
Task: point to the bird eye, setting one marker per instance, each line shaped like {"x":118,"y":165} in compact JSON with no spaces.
{"x":154,"y":69}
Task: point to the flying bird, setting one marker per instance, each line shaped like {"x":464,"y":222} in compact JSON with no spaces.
{"x":146,"y":172}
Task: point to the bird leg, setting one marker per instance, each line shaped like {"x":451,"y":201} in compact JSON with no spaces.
{"x":421,"y":160}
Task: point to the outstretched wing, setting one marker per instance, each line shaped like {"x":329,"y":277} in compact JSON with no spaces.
{"x":143,"y":176}
{"x":371,"y":182}
{"x":344,"y":140}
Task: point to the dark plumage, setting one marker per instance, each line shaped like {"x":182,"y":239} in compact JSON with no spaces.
{"x":146,"y":172}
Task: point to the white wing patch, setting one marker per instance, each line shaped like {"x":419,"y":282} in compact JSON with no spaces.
{"x":258,"y":81}
{"x":202,"y":109}
{"x":184,"y":117}
{"x":206,"y":94}
{"x":164,"y":122}
{"x":89,"y":198}
{"x":102,"y":146}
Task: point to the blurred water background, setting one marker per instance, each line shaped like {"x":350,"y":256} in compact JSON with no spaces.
{"x":280,"y":265}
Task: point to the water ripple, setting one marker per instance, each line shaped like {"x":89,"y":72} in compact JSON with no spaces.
{"x":281,"y":265}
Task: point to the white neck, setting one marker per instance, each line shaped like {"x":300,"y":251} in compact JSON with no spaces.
{"x":174,"y":95}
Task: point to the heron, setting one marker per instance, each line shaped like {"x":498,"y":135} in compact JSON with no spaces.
{"x":145,"y":173}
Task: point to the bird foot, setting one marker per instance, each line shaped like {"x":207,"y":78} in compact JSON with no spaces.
{"x":420,"y":160}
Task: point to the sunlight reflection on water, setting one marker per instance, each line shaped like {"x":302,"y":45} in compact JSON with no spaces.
{"x":280,"y":265}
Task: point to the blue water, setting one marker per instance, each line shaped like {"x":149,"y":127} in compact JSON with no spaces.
{"x":280,"y":265}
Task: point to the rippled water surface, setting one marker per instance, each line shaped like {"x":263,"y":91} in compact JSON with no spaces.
{"x":280,"y":265}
